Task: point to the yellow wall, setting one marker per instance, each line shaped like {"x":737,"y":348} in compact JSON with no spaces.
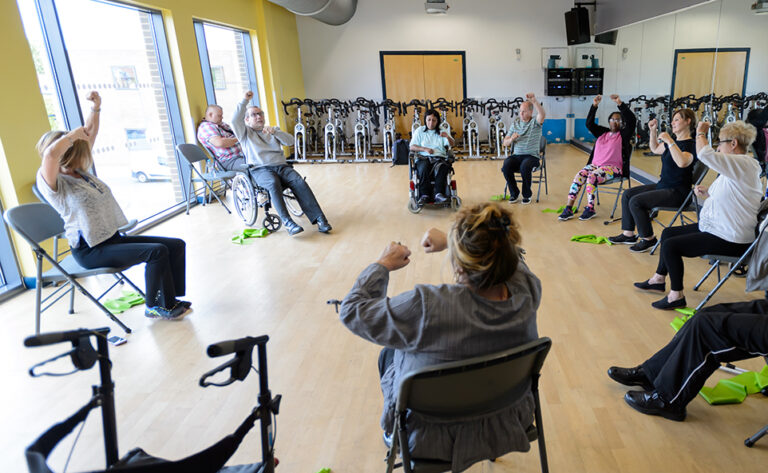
{"x":24,"y":118}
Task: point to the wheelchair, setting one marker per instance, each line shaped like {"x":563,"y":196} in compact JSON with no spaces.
{"x":248,"y":197}
{"x":454,"y":201}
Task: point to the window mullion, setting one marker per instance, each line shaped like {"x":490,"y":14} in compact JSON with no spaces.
{"x":60,"y":66}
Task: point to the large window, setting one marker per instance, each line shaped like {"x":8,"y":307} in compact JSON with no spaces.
{"x":120,"y":52}
{"x":227,"y":64}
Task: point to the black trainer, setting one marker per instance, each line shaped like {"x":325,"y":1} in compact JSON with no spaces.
{"x":643,"y":245}
{"x":622,"y":239}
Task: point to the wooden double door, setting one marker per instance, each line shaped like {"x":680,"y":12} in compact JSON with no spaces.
{"x":703,"y":71}
{"x":423,"y":75}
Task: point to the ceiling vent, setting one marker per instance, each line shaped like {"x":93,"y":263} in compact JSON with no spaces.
{"x":331,"y":12}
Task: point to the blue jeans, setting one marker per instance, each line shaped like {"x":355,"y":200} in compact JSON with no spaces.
{"x":275,"y":178}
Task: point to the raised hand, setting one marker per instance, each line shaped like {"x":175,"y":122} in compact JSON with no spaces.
{"x":531,"y":97}
{"x":616,"y":99}
{"x":702,"y":127}
{"x":95,"y":98}
{"x":394,"y":256}
{"x":653,"y":124}
{"x":596,"y":100}
{"x":248,"y":95}
{"x":434,"y":240}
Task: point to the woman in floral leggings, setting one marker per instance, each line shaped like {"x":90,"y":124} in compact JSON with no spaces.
{"x":609,"y":154}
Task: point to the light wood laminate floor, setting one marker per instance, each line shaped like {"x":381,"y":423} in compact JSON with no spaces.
{"x":327,"y":376}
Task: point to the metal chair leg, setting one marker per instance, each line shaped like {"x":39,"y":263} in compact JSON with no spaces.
{"x":714,"y":264}
{"x":758,"y":435}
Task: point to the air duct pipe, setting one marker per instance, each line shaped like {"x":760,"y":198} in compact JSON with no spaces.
{"x":332,"y":12}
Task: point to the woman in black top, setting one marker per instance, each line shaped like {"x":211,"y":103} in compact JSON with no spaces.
{"x":677,"y":157}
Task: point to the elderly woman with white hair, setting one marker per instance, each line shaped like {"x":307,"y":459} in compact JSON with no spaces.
{"x":728,"y":217}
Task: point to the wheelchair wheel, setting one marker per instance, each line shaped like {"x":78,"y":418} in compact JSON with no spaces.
{"x":272,"y":223}
{"x":244,"y":199}
{"x":414,"y":206}
{"x":455,"y":202}
{"x":291,"y":203}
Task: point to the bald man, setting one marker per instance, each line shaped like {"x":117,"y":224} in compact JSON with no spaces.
{"x":262,"y":147}
{"x":217,"y":137}
{"x":525,"y":132}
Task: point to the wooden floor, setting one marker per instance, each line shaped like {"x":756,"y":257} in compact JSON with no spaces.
{"x":330,"y":412}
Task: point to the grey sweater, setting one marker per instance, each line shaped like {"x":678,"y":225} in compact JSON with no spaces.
{"x":260,"y":149}
{"x":437,"y":324}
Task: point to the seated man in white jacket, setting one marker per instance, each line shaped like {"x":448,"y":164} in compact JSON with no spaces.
{"x":728,"y":217}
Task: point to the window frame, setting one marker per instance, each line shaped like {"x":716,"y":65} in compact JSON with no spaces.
{"x":66,"y":90}
{"x":205,"y":63}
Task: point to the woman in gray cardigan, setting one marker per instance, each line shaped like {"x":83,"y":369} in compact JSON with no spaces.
{"x":491,"y":307}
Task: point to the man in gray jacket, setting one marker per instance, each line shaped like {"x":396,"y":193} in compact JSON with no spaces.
{"x":262,"y":146}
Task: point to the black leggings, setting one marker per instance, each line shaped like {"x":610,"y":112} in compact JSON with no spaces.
{"x":637,"y":202}
{"x":164,"y":274}
{"x":689,"y":241}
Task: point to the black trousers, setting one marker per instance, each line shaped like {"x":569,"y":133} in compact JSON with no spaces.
{"x":689,"y":241}
{"x":637,"y":202}
{"x":164,"y":274}
{"x":716,"y":334}
{"x":426,"y":171}
{"x":524,"y":164}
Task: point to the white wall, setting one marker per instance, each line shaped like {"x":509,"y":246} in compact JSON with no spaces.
{"x":343,"y":61}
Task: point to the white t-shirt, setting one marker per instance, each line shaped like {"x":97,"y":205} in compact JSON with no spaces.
{"x":86,"y":205}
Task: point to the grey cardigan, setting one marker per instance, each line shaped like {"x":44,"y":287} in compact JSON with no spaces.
{"x":436,"y":324}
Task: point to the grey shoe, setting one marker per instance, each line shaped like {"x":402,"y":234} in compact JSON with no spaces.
{"x":292,"y":227}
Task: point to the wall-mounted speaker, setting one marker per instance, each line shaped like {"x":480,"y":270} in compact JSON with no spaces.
{"x":577,"y":26}
{"x":608,"y":37}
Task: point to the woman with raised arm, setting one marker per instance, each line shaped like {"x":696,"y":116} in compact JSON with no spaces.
{"x":728,"y":217}
{"x":92,"y":218}
{"x":678,"y":154}
{"x":490,"y":307}
{"x":609,"y":155}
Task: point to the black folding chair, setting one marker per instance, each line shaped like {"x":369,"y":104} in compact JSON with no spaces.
{"x":735,"y":262}
{"x":193,"y":154}
{"x":689,"y":205}
{"x":615,"y":185}
{"x":474,"y":387}
{"x":39,"y":222}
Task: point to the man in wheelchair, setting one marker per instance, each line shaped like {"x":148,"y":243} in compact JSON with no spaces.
{"x":262,"y":147}
{"x":432,"y":148}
